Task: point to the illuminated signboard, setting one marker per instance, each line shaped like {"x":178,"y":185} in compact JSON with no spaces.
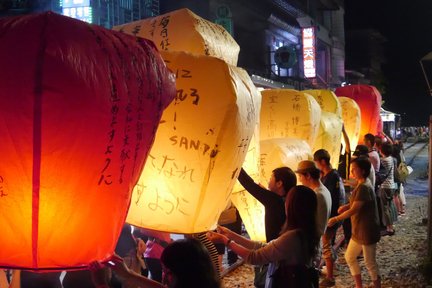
{"x":309,"y":55}
{"x":78,"y":9}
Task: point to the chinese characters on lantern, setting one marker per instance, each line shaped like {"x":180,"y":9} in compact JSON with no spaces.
{"x":309,"y":57}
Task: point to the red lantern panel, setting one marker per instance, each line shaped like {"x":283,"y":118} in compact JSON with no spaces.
{"x":368,"y":99}
{"x":79,"y":106}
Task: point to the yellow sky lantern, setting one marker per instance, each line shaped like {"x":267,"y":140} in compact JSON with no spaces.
{"x":280,"y":152}
{"x":200,"y":145}
{"x":351,"y":116}
{"x":329,"y":135}
{"x":289,"y":113}
{"x":183,"y":30}
{"x":251,"y":211}
{"x":327,"y":100}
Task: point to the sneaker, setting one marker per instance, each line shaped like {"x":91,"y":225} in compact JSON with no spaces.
{"x":327,"y":282}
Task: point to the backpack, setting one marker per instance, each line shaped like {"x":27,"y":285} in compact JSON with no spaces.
{"x":403,"y":172}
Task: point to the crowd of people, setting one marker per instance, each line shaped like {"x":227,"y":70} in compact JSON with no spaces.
{"x":301,"y":223}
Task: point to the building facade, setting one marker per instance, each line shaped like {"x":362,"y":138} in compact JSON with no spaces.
{"x":296,"y":44}
{"x":271,"y":38}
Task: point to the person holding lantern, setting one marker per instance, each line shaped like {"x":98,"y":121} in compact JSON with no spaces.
{"x":363,"y":212}
{"x":291,"y":254}
{"x":281,"y":181}
{"x":186,"y":263}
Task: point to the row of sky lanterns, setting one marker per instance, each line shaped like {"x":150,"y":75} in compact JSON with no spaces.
{"x":86,"y":146}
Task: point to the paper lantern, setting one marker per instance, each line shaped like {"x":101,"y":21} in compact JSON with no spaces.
{"x":289,"y":114}
{"x":182,"y":30}
{"x":368,"y":99}
{"x":330,"y":131}
{"x":251,"y":210}
{"x":280,"y":152}
{"x":327,"y":100}
{"x":351,"y":116}
{"x":79,"y":106}
{"x":200,"y":145}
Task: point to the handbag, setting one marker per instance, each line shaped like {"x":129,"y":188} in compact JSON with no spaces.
{"x":295,"y":276}
{"x":403,"y":171}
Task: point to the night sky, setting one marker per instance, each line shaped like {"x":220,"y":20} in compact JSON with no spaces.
{"x":407,"y":26}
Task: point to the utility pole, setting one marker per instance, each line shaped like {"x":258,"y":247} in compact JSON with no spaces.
{"x":430,"y":191}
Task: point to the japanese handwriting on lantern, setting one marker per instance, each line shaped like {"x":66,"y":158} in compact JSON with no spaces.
{"x":139,"y":191}
{"x":168,"y":203}
{"x":106,"y":179}
{"x":164,"y":32}
{"x":136,"y":30}
{"x":183,"y":73}
{"x":182,"y":95}
{"x":243,"y":144}
{"x":2,"y":193}
{"x":296,"y":106}
{"x":170,"y":169}
{"x":273,"y":99}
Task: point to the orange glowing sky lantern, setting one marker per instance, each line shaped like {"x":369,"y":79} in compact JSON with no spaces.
{"x":368,"y":99}
{"x":330,"y":131}
{"x":79,"y":109}
{"x":199,"y":148}
{"x":289,"y":114}
{"x":182,"y":30}
{"x":351,"y":116}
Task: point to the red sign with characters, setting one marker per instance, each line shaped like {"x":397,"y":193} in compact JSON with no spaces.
{"x":309,"y":53}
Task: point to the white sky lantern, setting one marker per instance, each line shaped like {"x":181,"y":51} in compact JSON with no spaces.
{"x":329,"y":135}
{"x":351,"y":116}
{"x":289,"y":114}
{"x":200,"y":145}
{"x":280,"y":152}
{"x":182,"y":30}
